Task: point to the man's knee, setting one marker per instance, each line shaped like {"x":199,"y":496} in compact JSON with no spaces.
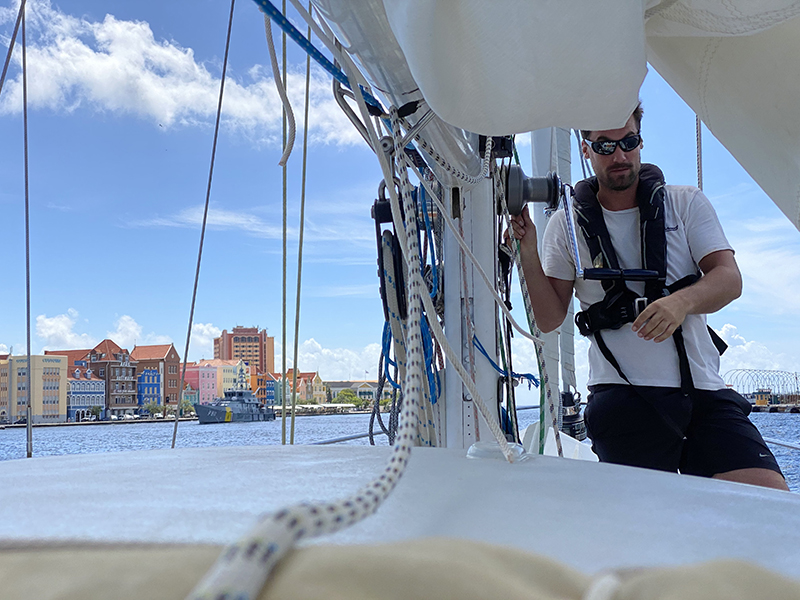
{"x":761,"y":477}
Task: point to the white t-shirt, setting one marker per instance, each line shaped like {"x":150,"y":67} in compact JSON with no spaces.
{"x":693,"y":231}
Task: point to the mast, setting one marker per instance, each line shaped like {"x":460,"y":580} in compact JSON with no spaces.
{"x":475,"y":208}
{"x":550,"y":152}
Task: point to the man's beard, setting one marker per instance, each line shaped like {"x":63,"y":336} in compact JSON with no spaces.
{"x":619,"y":180}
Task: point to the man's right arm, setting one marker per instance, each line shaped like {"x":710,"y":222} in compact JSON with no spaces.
{"x":550,"y":297}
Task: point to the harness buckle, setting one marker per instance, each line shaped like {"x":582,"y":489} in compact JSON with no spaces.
{"x":639,"y":304}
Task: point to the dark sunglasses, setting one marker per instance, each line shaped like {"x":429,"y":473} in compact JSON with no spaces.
{"x":607,"y":147}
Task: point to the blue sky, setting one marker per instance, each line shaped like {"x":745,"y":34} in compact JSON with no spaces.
{"x":122,"y":100}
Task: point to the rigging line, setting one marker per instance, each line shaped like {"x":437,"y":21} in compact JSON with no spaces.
{"x":454,"y":229}
{"x":285,"y":250}
{"x":528,"y":376}
{"x":580,"y":153}
{"x":203,"y":227}
{"x":545,"y":393}
{"x":438,"y":333}
{"x":302,"y":228}
{"x":699,"y":134}
{"x":11,"y":44}
{"x":29,"y":370}
{"x":436,"y":327}
{"x":287,"y":106}
{"x":288,"y":29}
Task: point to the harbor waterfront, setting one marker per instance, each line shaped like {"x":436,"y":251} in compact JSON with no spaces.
{"x":148,"y":435}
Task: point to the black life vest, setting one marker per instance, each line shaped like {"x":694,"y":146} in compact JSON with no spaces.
{"x":621,"y":305}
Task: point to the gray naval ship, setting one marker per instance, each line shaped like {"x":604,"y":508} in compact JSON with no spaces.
{"x":238,"y":405}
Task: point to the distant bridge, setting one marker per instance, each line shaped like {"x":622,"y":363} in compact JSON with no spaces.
{"x":781,"y":387}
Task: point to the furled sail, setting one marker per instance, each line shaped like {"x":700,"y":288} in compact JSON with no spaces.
{"x":512,"y":66}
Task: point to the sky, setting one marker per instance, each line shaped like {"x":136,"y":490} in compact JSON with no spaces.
{"x":122,"y":99}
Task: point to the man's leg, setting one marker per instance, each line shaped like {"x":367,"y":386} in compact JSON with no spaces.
{"x":755,"y":476}
{"x":724,"y":444}
{"x":638,"y":427}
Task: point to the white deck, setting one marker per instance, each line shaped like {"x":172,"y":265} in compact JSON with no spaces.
{"x":588,"y":515}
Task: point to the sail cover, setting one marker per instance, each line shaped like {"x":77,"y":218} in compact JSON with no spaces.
{"x":511,"y":66}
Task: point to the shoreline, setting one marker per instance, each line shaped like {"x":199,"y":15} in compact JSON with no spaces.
{"x":181,"y":419}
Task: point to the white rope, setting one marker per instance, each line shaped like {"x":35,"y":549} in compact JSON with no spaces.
{"x":487,"y":157}
{"x":603,"y":586}
{"x":463,"y":244}
{"x":699,"y":134}
{"x":244,"y":567}
{"x":276,"y":75}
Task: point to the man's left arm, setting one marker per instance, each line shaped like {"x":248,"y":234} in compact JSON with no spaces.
{"x":720,"y":285}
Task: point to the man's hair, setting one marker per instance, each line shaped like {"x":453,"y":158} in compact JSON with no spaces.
{"x":637,"y":114}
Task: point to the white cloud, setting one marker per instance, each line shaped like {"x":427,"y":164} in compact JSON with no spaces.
{"x":4,"y":349}
{"x":218,"y":219}
{"x":58,"y":332}
{"x":336,"y":291}
{"x":334,"y":364}
{"x":128,"y":334}
{"x":744,"y":354}
{"x":202,"y":342}
{"x":119,"y":67}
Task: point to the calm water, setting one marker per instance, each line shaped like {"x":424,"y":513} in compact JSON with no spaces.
{"x":148,"y":436}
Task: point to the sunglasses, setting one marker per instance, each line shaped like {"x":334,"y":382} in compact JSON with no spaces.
{"x":607,"y":147}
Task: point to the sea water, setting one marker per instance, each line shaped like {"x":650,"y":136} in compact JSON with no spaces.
{"x":117,"y":437}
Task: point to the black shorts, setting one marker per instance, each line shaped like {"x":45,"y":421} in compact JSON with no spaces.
{"x":660,"y":428}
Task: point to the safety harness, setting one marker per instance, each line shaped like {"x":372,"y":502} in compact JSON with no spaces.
{"x":620,"y":304}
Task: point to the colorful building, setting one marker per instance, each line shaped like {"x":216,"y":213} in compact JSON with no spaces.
{"x":45,"y":388}
{"x":225,"y":372}
{"x":116,"y":367}
{"x":148,"y":388}
{"x":165,"y":360}
{"x":85,"y":391}
{"x":249,"y":344}
{"x":203,"y":378}
{"x":310,"y":387}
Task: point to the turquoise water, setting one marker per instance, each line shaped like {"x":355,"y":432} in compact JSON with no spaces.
{"x":152,"y":435}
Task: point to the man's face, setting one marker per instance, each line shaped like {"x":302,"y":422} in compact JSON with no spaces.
{"x":620,"y":170}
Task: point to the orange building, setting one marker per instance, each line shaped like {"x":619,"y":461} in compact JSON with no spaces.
{"x":249,"y":344}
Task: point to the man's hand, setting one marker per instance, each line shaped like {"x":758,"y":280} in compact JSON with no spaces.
{"x":661,"y":318}
{"x":721,"y":283}
{"x":524,"y":231}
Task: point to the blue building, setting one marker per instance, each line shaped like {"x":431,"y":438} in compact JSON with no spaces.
{"x":148,"y":387}
{"x":270,"y":385}
{"x":84,"y":391}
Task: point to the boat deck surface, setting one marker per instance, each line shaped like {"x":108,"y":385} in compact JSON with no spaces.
{"x":588,"y":515}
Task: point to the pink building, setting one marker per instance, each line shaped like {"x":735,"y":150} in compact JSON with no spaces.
{"x":202,"y":378}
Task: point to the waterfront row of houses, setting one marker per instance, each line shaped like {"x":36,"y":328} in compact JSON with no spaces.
{"x":107,"y":380}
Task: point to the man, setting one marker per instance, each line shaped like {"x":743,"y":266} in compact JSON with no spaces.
{"x":656,"y":398}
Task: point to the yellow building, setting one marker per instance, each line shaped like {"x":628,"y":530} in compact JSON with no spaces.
{"x":47,"y":388}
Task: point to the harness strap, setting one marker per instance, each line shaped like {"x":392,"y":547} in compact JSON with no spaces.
{"x":668,"y":421}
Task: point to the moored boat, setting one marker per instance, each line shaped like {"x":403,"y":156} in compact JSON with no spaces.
{"x":239,"y":404}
